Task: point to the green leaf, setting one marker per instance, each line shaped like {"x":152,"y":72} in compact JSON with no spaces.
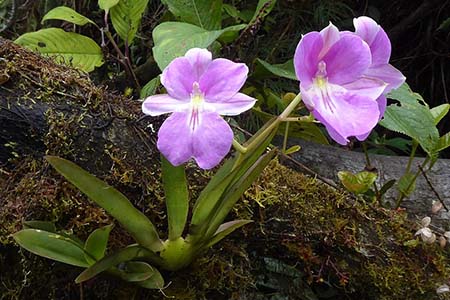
{"x":358,"y":183}
{"x":106,"y":5}
{"x":206,"y":14}
{"x":405,"y":95}
{"x":154,"y":282}
{"x":137,"y":271}
{"x":443,"y":142}
{"x":285,"y":70}
{"x":387,"y":186}
{"x":177,"y":197}
{"x":225,"y":229}
{"x":42,"y":225}
{"x":96,"y":243}
{"x":114,"y":202}
{"x":66,"y":47}
{"x":129,"y":253}
{"x":413,"y":118}
{"x":150,"y":88}
{"x":439,"y":112}
{"x":292,"y":149}
{"x":231,"y":10}
{"x":67,"y":14}
{"x":126,"y":17}
{"x":407,"y":184}
{"x":174,"y":39}
{"x":51,"y":245}
{"x":235,"y":191}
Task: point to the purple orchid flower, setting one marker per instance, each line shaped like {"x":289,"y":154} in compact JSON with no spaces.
{"x":344,"y":76}
{"x":199,"y":90}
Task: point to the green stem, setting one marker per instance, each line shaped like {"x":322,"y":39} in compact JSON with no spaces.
{"x":238,"y":147}
{"x":412,"y":155}
{"x":177,"y":254}
{"x":285,"y":139}
{"x":369,"y":165}
{"x":401,"y":195}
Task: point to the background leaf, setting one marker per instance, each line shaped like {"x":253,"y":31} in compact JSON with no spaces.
{"x":126,"y":17}
{"x":65,"y":13}
{"x":285,"y":70}
{"x":51,"y":245}
{"x":412,"y":118}
{"x":206,"y":14}
{"x":66,"y":47}
{"x":173,"y":39}
{"x":106,"y":5}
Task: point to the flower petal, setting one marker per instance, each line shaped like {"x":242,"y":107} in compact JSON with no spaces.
{"x":347,"y":59}
{"x":161,"y":104}
{"x":306,"y":57}
{"x":393,"y":77}
{"x":382,"y":102}
{"x":200,"y":59}
{"x":211,"y":141}
{"x":222,"y":79}
{"x":178,"y":78}
{"x":175,"y":139}
{"x":367,"y":87}
{"x":343,"y":113}
{"x":330,"y":35}
{"x":375,"y":37}
{"x":233,"y":106}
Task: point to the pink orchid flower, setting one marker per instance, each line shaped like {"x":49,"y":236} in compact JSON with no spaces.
{"x":199,"y":90}
{"x":344,"y":77}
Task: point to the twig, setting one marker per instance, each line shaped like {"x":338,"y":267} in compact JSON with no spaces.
{"x":432,"y":188}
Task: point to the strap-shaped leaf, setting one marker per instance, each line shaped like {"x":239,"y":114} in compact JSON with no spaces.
{"x":113,"y":201}
{"x":66,"y":47}
{"x":126,"y":17}
{"x":176,"y":196}
{"x":134,"y":271}
{"x":126,"y":254}
{"x":225,"y":229}
{"x":51,"y":245}
{"x":96,"y":243}
{"x":174,"y":39}
{"x":67,"y":14}
{"x":42,"y":225}
{"x":233,"y":193}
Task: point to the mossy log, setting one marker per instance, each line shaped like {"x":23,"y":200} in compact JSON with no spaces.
{"x":307,"y":241}
{"x":327,"y":161}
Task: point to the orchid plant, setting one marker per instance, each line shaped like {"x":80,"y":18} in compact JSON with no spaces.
{"x":344,"y":78}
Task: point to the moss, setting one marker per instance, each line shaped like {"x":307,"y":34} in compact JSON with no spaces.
{"x":306,"y":239}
